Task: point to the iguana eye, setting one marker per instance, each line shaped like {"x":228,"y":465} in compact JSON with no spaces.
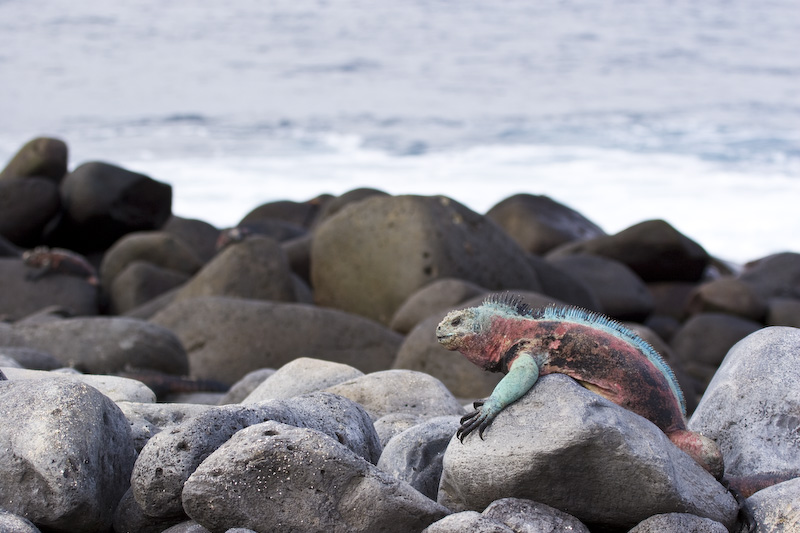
{"x":456,"y":321}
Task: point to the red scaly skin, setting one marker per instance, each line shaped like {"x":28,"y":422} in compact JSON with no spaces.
{"x":600,"y":361}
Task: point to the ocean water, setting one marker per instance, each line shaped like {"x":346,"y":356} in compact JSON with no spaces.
{"x":623,"y":110}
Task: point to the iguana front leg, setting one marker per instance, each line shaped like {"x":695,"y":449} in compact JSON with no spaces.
{"x":522,"y":374}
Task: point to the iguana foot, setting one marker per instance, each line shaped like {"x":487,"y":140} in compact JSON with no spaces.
{"x":480,"y":418}
{"x":745,"y":521}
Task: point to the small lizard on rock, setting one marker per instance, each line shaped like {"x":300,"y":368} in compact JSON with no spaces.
{"x":506,"y":335}
{"x":59,"y":261}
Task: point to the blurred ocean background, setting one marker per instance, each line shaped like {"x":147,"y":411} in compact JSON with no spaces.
{"x":623,"y":110}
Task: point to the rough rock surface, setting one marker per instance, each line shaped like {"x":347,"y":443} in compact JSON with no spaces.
{"x":580,"y":453}
{"x":147,"y":419}
{"x":399,"y":391}
{"x":103,"y":345}
{"x":272,"y":476}
{"x":526,"y":516}
{"x":777,"y":508}
{"x":752,"y":406}
{"x":685,"y":523}
{"x":242,"y":388}
{"x":16,"y":524}
{"x":67,"y":454}
{"x":471,"y":521}
{"x":169,"y":458}
{"x":301,"y":376}
{"x":116,"y":388}
{"x":415,"y":455}
{"x":372,"y":255}
{"x":228,"y":337}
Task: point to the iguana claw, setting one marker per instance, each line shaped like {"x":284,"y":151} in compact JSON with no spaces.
{"x":480,"y":418}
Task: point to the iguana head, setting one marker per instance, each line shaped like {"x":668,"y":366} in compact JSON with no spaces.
{"x":474,"y":331}
{"x":458,"y":328}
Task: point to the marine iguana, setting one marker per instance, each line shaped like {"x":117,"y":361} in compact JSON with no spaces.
{"x":58,"y":261}
{"x":506,"y":335}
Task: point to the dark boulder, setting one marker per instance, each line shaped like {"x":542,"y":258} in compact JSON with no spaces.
{"x":26,"y":208}
{"x":103,"y":202}
{"x":621,"y":293}
{"x":653,"y":249}
{"x":199,"y":236}
{"x":539,"y":223}
{"x":41,"y":157}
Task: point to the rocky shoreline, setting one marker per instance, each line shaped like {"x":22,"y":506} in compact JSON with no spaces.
{"x":161,"y":374}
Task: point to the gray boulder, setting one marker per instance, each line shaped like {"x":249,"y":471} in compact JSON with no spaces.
{"x":752,"y":406}
{"x":775,"y":509}
{"x":255,"y":268}
{"x":526,"y":516}
{"x":539,"y":223}
{"x":141,"y":282}
{"x":399,"y":391}
{"x":272,"y":476}
{"x":301,"y":376}
{"x":415,"y":455}
{"x":117,"y":389}
{"x":582,"y":454}
{"x":685,"y":523}
{"x":372,"y":255}
{"x":67,"y":457}
{"x":242,"y":388}
{"x":229,"y":337}
{"x":620,"y":292}
{"x":130,"y":518}
{"x":435,"y":298}
{"x":21,"y":295}
{"x":148,"y":419}
{"x":471,"y":521}
{"x":169,"y":458}
{"x":30,"y":358}
{"x":388,"y":426}
{"x":200,"y":236}
{"x":190,"y":526}
{"x":103,"y":345}
{"x":16,"y":524}
{"x":158,"y":248}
